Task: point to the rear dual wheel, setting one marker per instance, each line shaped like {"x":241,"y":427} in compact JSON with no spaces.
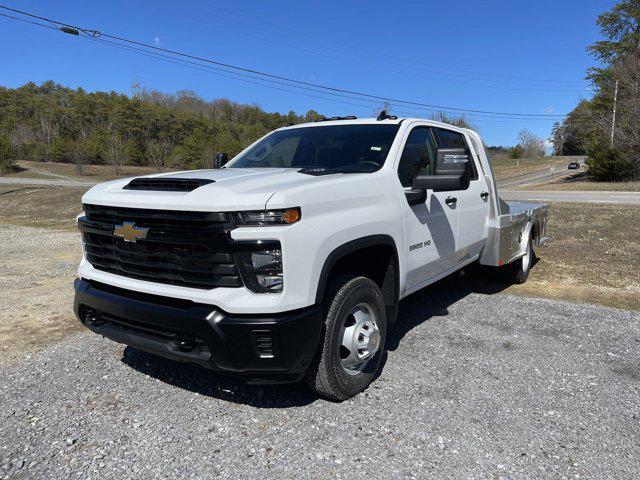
{"x":518,"y":271}
{"x":354,"y":332}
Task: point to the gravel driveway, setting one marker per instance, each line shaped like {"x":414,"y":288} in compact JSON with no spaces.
{"x":474,"y":386}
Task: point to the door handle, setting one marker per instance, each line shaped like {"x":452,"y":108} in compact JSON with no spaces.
{"x":484,"y":195}
{"x":450,"y":200}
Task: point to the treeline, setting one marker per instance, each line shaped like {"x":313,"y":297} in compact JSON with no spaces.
{"x":50,"y":122}
{"x":611,"y":141}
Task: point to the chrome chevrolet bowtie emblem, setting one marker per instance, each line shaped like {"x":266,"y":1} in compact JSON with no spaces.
{"x":130,"y":232}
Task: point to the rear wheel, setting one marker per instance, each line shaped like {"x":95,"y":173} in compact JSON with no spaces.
{"x":354,"y":334}
{"x":518,"y":271}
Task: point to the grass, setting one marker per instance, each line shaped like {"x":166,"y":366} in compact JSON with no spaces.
{"x":583,"y":182}
{"x":593,"y":255}
{"x":67,"y":171}
{"x":504,"y":167}
{"x":49,"y":207}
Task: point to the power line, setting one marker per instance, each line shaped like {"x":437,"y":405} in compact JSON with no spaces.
{"x":358,"y":51}
{"x":258,"y":81}
{"x":234,"y":76}
{"x":266,"y":75}
{"x":452,"y":81}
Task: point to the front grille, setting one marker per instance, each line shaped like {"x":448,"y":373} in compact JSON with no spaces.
{"x":164,"y":219}
{"x":167,"y":184}
{"x":189,"y":249}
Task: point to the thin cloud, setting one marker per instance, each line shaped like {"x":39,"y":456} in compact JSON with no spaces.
{"x":549,"y":109}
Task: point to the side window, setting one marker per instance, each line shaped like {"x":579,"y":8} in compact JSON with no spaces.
{"x":417,"y":157}
{"x":450,"y":139}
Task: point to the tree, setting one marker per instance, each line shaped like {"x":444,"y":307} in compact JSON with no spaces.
{"x":79,"y":155}
{"x":45,"y":122}
{"x":160,"y":154}
{"x":621,"y":28}
{"x":619,"y":55}
{"x":115,"y":152}
{"x":48,"y":133}
{"x":531,"y":144}
{"x":460,"y":121}
{"x":558,"y":138}
{"x":7,"y":157}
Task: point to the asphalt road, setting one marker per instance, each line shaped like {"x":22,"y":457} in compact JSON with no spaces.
{"x":541,"y":176}
{"x":473,"y":386}
{"x":629,"y":198}
{"x":44,"y":182}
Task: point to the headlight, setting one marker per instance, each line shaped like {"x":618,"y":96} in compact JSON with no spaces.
{"x":268,"y":217}
{"x":262,"y":271}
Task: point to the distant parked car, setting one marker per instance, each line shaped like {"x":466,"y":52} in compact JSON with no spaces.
{"x":574,"y":166}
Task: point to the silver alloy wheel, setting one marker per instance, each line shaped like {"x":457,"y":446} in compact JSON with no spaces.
{"x":360,"y":339}
{"x":526,"y":260}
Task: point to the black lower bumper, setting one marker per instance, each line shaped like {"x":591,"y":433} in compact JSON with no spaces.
{"x":276,"y":348}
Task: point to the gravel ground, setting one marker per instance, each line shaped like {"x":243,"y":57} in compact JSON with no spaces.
{"x":37,"y":268}
{"x":474,"y":386}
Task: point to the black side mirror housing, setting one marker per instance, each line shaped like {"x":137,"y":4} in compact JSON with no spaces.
{"x":441,"y":183}
{"x":220,"y":160}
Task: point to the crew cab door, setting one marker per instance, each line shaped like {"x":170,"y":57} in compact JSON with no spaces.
{"x":431,"y":226}
{"x":472,"y":203}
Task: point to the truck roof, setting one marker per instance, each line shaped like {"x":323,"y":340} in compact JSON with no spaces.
{"x":370,"y":121}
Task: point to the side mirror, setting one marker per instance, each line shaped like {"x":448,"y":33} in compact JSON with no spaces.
{"x":437,"y":183}
{"x":454,"y":161}
{"x":441,"y":183}
{"x":220,"y":160}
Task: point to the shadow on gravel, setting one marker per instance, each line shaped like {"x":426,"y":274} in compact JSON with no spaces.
{"x":434,"y":301}
{"x":416,"y":309}
{"x":211,"y":384}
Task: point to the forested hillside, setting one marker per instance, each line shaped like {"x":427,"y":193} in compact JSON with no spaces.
{"x":50,"y":122}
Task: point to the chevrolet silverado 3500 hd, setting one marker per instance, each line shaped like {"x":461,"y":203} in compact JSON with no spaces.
{"x":289,"y":262}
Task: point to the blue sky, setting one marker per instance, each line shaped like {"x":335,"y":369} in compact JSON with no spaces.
{"x":507,"y":56}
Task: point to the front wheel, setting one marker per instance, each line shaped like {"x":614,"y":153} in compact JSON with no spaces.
{"x":355,"y":327}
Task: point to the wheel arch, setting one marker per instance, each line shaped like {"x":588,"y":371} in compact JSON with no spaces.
{"x":350,"y":258}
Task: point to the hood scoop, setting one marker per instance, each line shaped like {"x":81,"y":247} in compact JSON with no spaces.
{"x":167,"y":184}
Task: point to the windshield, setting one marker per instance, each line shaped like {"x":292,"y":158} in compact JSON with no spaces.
{"x":344,"y":148}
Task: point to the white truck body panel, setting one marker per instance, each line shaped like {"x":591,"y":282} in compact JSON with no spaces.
{"x":337,"y":209}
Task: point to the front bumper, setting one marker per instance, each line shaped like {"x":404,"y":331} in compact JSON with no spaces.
{"x":273,"y":348}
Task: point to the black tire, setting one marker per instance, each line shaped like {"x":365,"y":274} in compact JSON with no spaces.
{"x":518,"y":271}
{"x":326,"y":375}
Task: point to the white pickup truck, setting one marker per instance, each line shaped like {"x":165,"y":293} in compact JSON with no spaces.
{"x":289,"y":262}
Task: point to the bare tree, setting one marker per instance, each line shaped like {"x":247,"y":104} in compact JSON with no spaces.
{"x":161,"y":154}
{"x":79,"y":155}
{"x":532,"y":145}
{"x":47,"y":134}
{"x":460,"y":121}
{"x":115,"y":152}
{"x":20,"y":138}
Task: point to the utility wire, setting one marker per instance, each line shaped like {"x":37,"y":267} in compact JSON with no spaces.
{"x":257,"y":81}
{"x":95,"y":33}
{"x":358,"y":51}
{"x":451,"y":81}
{"x":234,"y":76}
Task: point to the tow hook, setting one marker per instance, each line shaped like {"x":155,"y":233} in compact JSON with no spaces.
{"x":93,"y":320}
{"x":184,"y":345}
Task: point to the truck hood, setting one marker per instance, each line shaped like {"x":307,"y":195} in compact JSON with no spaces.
{"x":232,"y":189}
